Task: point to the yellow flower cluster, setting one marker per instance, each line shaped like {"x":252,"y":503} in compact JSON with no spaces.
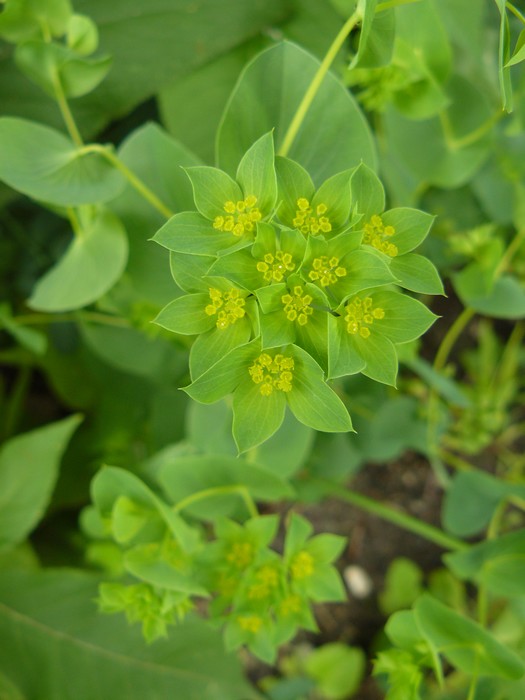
{"x":360,"y":315}
{"x":229,"y":307}
{"x":250,"y":623}
{"x":326,"y":271}
{"x":267,"y":579}
{"x":272,"y":373}
{"x":302,"y":565}
{"x":377,"y":235}
{"x":308,"y":222}
{"x":297,"y":305}
{"x":240,"y":218}
{"x":241,"y":554}
{"x":275,"y":267}
{"x":290,"y":605}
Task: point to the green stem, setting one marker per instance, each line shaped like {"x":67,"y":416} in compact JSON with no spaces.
{"x":492,"y":533}
{"x":235,"y":490}
{"x":317,"y":80}
{"x":455,"y":143}
{"x":407,"y":522}
{"x":515,"y":11}
{"x":92,"y":316}
{"x":130,"y":176}
{"x":67,"y":115}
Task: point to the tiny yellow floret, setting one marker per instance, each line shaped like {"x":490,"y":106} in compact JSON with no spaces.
{"x":297,"y":306}
{"x":275,"y":267}
{"x":250,"y":623}
{"x":360,"y":314}
{"x":309,"y":222}
{"x":241,"y":554}
{"x":326,"y":270}
{"x":302,"y":565}
{"x":241,"y":216}
{"x":290,"y":605}
{"x":229,"y":307}
{"x":377,"y":235}
{"x":267,"y":579}
{"x":272,"y":373}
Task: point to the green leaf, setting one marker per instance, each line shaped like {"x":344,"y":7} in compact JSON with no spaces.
{"x":82,"y":35}
{"x":280,"y":76}
{"x":189,"y":232}
{"x":337,"y":669}
{"x":505,"y":300}
{"x":33,"y":340}
{"x":144,"y":563}
{"x":91,"y":265}
{"x":186,"y":315}
{"x":293,"y":182}
{"x":335,"y":194}
{"x":311,"y":399}
{"x":416,"y":273}
{"x":519,"y":51}
{"x":50,"y":615}
{"x":464,"y":643}
{"x":188,"y":271}
{"x":376,"y":40}
{"x":471,"y":500}
{"x":403,"y":585}
{"x":45,"y":63}
{"x":212,"y":188}
{"x":380,"y":356}
{"x":255,"y":417}
{"x":23,"y":19}
{"x":256,"y":173}
{"x":505,"y":82}
{"x":45,"y":165}
{"x":497,"y":564}
{"x":411,"y":225}
{"x":29,"y":465}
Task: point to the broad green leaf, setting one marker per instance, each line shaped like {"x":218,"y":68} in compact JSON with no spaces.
{"x":145,"y":564}
{"x":472,"y":498}
{"x":45,"y":63}
{"x":184,"y":476}
{"x":255,"y":417}
{"x":505,"y":300}
{"x":337,"y":669}
{"x":23,"y":19}
{"x":403,"y":585}
{"x":187,"y":315}
{"x":416,"y":273}
{"x":156,"y":158}
{"x":280,"y":77}
{"x":376,"y":41}
{"x":189,"y":232}
{"x":212,"y":188}
{"x":52,"y":614}
{"x":464,"y":643}
{"x":45,"y":165}
{"x":82,"y":35}
{"x":33,"y":340}
{"x":91,"y":265}
{"x":29,"y":465}
{"x":256,"y":173}
{"x":311,"y":399}
{"x":497,"y":564}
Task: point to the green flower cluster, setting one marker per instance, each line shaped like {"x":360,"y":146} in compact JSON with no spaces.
{"x":260,"y":596}
{"x":288,"y":286}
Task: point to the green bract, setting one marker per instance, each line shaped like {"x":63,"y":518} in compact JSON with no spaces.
{"x":285,"y":288}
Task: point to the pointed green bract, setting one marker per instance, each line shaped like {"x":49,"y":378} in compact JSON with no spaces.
{"x":188,"y":270}
{"x":216,"y":343}
{"x":405,"y":319}
{"x":256,"y":173}
{"x":212,"y":188}
{"x":255,"y":417}
{"x":416,"y":273}
{"x":411,"y":227}
{"x":293,"y":182}
{"x":190,"y":232}
{"x":380,"y":356}
{"x":186,"y":315}
{"x":368,"y":194}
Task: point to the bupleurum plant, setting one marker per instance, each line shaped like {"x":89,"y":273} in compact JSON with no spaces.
{"x":288,"y":286}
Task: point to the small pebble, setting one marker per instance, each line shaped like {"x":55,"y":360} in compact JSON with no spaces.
{"x":358,"y":582}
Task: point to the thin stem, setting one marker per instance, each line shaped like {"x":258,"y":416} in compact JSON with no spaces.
{"x":236,"y":490}
{"x":456,"y":143}
{"x":515,"y":11}
{"x":130,"y":176}
{"x":317,"y":80}
{"x":74,"y":221}
{"x":492,"y":533}
{"x":509,"y":253}
{"x":93,"y":316}
{"x":67,"y":115}
{"x":407,"y":522}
